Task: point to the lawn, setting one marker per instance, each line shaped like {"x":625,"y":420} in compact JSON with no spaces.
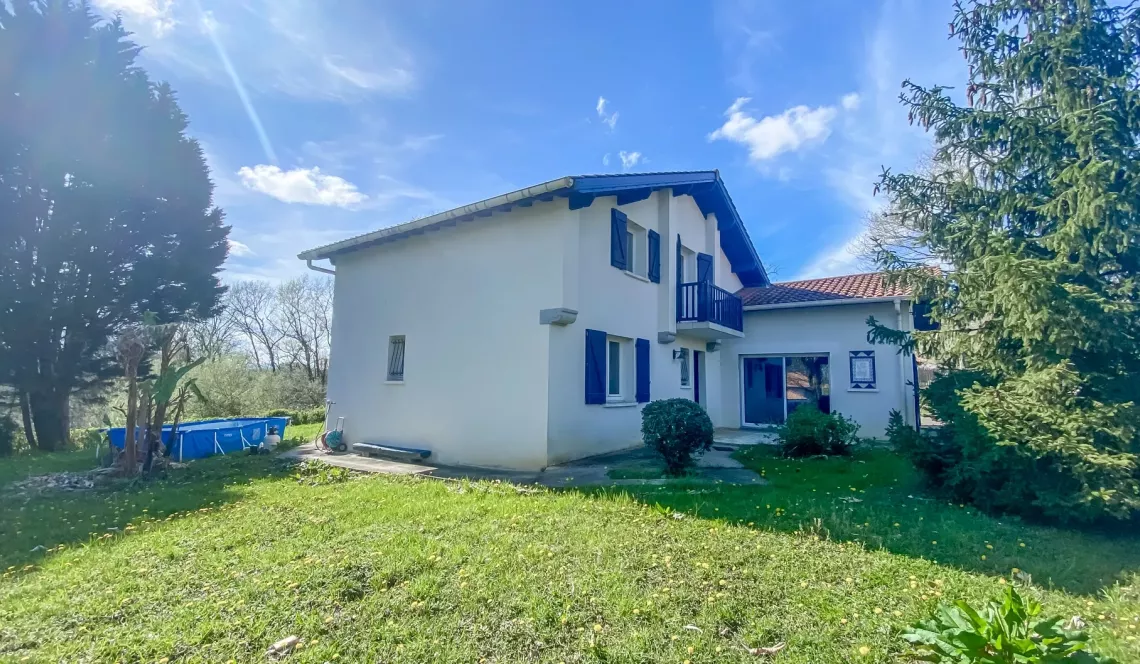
{"x":216,"y":561}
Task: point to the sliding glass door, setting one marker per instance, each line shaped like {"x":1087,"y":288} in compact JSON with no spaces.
{"x":774,"y":386}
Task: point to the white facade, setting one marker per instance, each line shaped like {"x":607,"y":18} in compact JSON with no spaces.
{"x":833,"y":332}
{"x":486,"y":384}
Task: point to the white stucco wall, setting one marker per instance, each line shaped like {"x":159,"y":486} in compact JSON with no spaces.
{"x":832,"y":331}
{"x":468,"y":299}
{"x":485,"y":383}
{"x":612,"y":301}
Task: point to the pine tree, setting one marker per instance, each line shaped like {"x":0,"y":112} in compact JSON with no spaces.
{"x":106,"y":205}
{"x":1033,"y":202}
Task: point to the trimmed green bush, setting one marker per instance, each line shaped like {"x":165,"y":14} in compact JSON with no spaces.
{"x":812,"y":432}
{"x":677,"y":429}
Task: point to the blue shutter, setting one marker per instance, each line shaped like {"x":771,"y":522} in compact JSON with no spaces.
{"x":595,"y":366}
{"x":617,"y":240}
{"x":642,"y":348}
{"x":655,"y":257}
{"x":704,"y":268}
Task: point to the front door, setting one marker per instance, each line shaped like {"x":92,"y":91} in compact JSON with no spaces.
{"x":698,"y":377}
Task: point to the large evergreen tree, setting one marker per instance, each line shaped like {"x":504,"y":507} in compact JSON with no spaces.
{"x":1034,"y":202}
{"x":106,"y":205}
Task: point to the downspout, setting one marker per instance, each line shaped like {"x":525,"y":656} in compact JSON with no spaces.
{"x":902,"y":366}
{"x":318,"y":268}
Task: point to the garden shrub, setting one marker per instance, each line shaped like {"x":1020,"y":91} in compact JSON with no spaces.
{"x":8,"y":433}
{"x":1005,"y":631}
{"x":812,"y":432}
{"x":306,"y":416}
{"x":961,"y":460}
{"x":677,"y":429}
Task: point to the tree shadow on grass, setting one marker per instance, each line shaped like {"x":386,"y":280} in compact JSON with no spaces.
{"x":34,"y":524}
{"x":877,"y":500}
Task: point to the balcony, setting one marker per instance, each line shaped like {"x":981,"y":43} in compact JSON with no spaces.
{"x":708,"y":312}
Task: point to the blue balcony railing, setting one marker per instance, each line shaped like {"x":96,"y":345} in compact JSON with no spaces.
{"x":703,"y":302}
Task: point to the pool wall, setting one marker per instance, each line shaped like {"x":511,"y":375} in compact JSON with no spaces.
{"x":207,"y":437}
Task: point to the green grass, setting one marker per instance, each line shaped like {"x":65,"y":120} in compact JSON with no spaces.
{"x":216,"y":561}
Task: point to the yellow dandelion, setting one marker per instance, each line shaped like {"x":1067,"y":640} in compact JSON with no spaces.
{"x":864,"y":651}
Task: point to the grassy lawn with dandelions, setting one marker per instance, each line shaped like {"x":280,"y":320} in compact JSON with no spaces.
{"x":217,"y":561}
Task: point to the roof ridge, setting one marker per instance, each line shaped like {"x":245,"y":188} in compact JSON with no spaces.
{"x":837,"y":276}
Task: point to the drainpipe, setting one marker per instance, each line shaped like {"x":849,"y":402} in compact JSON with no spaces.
{"x":902,"y":366}
{"x":318,"y":268}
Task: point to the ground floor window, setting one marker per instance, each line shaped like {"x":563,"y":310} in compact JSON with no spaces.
{"x":774,"y":386}
{"x":615,"y":352}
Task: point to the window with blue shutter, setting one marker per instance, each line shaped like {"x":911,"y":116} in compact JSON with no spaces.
{"x":642,"y":348}
{"x":595,"y":367}
{"x":704,"y":268}
{"x":654,"y":257}
{"x":619,"y":254}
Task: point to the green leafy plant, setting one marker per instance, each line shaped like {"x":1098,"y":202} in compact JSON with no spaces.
{"x":317,"y":473}
{"x":677,"y":429}
{"x":1009,"y":631}
{"x":812,"y":432}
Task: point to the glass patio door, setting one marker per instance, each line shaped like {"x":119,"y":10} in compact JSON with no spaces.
{"x":775,"y":386}
{"x":763,"y":390}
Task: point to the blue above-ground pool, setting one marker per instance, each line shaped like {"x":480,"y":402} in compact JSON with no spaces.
{"x":196,"y":440}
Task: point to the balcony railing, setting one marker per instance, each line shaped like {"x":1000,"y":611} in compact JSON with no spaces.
{"x":702,"y":302}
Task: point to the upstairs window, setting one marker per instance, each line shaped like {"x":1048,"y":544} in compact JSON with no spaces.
{"x":636,"y":249}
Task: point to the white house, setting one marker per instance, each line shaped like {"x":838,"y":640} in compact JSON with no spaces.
{"x":529,"y":329}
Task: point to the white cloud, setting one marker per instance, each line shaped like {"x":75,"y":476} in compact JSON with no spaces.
{"x":239,"y":249}
{"x":392,"y":80}
{"x":288,"y":47}
{"x":773,"y":135}
{"x":607,"y":119}
{"x":629,"y":159}
{"x":833,"y":261}
{"x":155,"y":14}
{"x":850,"y":101}
{"x":606,"y":159}
{"x":301,"y":185}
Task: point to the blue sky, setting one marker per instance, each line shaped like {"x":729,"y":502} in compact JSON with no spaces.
{"x":327,"y":118}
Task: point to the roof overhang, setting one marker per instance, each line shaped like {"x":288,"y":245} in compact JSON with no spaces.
{"x":706,"y":188}
{"x":826,"y":303}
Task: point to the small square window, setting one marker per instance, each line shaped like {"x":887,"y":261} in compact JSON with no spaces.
{"x":396,"y":358}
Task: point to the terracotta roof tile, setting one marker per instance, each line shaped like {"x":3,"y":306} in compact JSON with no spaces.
{"x":847,"y":287}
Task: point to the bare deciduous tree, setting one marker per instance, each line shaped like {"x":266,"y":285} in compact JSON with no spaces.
{"x":252,"y":309}
{"x":211,"y":338}
{"x":305,"y":318}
